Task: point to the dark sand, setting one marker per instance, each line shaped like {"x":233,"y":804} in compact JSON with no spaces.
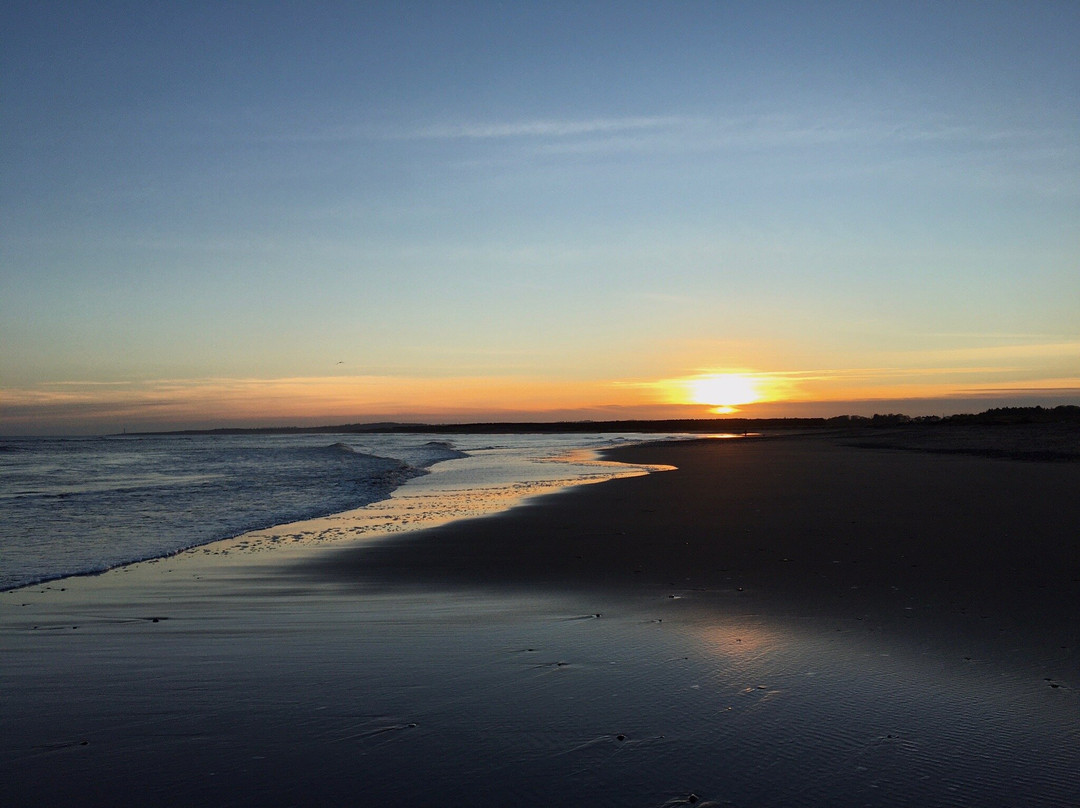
{"x":779,"y":622}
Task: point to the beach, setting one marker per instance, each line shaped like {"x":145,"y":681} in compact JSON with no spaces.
{"x":781,"y":621}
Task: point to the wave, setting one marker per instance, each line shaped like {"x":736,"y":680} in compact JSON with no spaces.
{"x":437,"y":451}
{"x":82,"y":506}
{"x":344,"y":450}
{"x":90,"y":504}
{"x":419,"y":457}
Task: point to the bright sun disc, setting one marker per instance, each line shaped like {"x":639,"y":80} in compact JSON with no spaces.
{"x":723,"y":390}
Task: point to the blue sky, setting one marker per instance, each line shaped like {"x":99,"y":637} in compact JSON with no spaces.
{"x":558,"y":207}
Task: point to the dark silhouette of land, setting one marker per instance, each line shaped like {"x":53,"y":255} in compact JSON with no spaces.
{"x":997,"y":417}
{"x":1022,"y":433}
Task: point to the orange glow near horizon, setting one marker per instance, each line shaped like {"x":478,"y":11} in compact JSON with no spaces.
{"x":723,"y":391}
{"x":342,"y":399}
{"x":86,"y":407}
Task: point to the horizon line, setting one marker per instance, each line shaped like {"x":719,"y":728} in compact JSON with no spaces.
{"x":1069,"y":411}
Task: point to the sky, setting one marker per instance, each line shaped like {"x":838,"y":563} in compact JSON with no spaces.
{"x":270,"y":213}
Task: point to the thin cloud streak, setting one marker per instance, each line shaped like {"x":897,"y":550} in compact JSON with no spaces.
{"x":699,"y":131}
{"x":299,"y":395}
{"x":542,"y":128}
{"x":479,"y":130}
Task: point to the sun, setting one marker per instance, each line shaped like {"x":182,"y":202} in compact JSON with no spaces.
{"x":724,"y":391}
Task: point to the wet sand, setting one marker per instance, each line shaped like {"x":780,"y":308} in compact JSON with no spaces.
{"x":781,"y":622}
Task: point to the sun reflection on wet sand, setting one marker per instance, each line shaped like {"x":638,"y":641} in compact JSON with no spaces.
{"x":741,"y":640}
{"x":419,"y":504}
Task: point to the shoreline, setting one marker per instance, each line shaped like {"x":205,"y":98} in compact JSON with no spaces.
{"x":1054,"y":441}
{"x":787,"y":523}
{"x":494,"y":491}
{"x":686,"y":633}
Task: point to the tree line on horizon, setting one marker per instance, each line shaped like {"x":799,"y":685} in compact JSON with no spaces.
{"x":997,"y":416}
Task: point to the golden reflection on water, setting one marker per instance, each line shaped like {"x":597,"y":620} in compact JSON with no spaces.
{"x":407,"y":510}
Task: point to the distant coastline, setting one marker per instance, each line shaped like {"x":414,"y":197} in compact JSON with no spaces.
{"x":993,"y":417}
{"x":1009,"y":433}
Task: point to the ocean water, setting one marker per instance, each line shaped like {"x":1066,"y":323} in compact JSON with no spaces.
{"x":81,"y":505}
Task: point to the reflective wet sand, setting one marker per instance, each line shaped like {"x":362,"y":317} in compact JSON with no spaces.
{"x":779,"y":622}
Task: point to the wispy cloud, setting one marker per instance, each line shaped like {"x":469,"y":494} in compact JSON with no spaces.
{"x":878,"y":141}
{"x":541,"y":128}
{"x":996,"y":353}
{"x":480,"y":130}
{"x":225,"y":399}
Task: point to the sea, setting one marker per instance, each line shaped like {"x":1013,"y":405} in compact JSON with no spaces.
{"x":82,"y":505}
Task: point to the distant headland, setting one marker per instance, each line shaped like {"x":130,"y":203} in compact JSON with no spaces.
{"x":995,"y":416}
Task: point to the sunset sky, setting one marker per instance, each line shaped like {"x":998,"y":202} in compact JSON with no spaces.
{"x":231,"y":213}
